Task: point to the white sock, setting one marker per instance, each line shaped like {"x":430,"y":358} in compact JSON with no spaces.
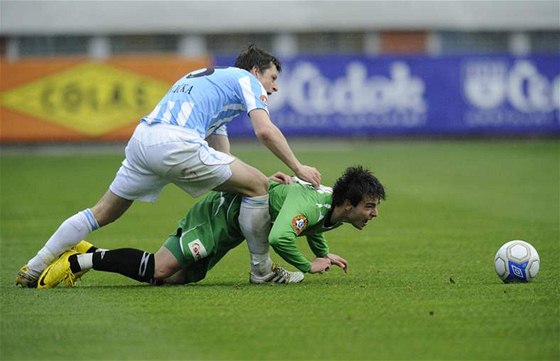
{"x":70,"y":232}
{"x":261,"y":264}
{"x":254,"y":221}
{"x":43,"y":258}
{"x":85,"y":261}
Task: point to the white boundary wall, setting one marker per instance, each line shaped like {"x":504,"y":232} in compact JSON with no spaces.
{"x":50,"y":17}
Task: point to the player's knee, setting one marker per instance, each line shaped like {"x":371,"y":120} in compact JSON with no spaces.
{"x":109,"y":208}
{"x":160,"y":276}
{"x":245,"y":180}
{"x":104,"y":215}
{"x":259,"y":185}
{"x":165,"y":264}
{"x":161,"y":272}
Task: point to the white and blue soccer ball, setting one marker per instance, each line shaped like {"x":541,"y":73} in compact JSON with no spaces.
{"x":517,"y":261}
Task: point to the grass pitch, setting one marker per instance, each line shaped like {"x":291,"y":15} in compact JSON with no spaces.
{"x":421,"y":283}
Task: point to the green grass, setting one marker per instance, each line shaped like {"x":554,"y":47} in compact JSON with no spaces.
{"x":421,"y":284}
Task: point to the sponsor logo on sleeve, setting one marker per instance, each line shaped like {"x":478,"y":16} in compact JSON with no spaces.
{"x":264,"y":99}
{"x":197,"y":249}
{"x":299,"y":223}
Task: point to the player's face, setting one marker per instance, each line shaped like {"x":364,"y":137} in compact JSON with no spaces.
{"x":268,"y":78}
{"x":360,"y":215}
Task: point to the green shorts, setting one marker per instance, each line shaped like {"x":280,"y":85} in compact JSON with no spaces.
{"x":197,"y":252}
{"x":192,"y":253}
{"x":208,"y":231}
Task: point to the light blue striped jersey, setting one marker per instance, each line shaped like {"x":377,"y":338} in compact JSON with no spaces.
{"x":206,"y":99}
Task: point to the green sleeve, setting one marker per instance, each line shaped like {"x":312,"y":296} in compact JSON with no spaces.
{"x":318,"y":244}
{"x":283,"y":240}
{"x":282,"y":237}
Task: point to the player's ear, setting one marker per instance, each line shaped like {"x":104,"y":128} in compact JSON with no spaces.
{"x":254,"y":70}
{"x":347,"y":205}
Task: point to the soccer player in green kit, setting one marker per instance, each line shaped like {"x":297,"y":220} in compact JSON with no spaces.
{"x":211,"y":229}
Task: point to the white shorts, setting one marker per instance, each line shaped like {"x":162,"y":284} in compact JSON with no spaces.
{"x":159,"y":154}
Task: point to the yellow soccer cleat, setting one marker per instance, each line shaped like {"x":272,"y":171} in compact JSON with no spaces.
{"x":25,"y":278}
{"x":57,"y":272}
{"x":82,"y":247}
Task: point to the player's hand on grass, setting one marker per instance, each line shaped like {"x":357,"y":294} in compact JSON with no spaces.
{"x":320,"y":265}
{"x":309,"y":174}
{"x":338,"y":261}
{"x":281,"y":178}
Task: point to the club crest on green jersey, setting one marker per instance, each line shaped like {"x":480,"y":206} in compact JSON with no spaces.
{"x":299,"y":223}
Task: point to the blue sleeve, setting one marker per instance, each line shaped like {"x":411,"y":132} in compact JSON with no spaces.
{"x":253,"y":93}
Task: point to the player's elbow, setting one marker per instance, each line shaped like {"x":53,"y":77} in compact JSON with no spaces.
{"x":265,"y":134}
{"x":273,"y":241}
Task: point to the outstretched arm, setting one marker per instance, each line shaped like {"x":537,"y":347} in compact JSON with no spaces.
{"x":289,"y":223}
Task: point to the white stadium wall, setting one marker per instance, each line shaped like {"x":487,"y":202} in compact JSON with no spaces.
{"x":125,"y":17}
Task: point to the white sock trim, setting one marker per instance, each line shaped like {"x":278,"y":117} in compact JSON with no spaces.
{"x":255,"y":202}
{"x":90,"y":218}
{"x":85,"y":261}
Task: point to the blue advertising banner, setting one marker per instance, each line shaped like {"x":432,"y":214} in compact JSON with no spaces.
{"x":344,"y":95}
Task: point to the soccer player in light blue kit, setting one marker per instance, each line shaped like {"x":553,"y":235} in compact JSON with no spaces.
{"x":184,"y":141}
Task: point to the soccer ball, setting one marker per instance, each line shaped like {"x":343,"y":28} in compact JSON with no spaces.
{"x":517,"y":261}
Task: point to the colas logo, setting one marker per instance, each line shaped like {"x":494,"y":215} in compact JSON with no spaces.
{"x":299,"y":223}
{"x":91,"y":98}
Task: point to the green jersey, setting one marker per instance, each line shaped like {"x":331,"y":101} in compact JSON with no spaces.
{"x":211,"y":227}
{"x":299,"y":210}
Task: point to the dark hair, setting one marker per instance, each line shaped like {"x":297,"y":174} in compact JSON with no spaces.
{"x":355,"y":184}
{"x":254,"y":56}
